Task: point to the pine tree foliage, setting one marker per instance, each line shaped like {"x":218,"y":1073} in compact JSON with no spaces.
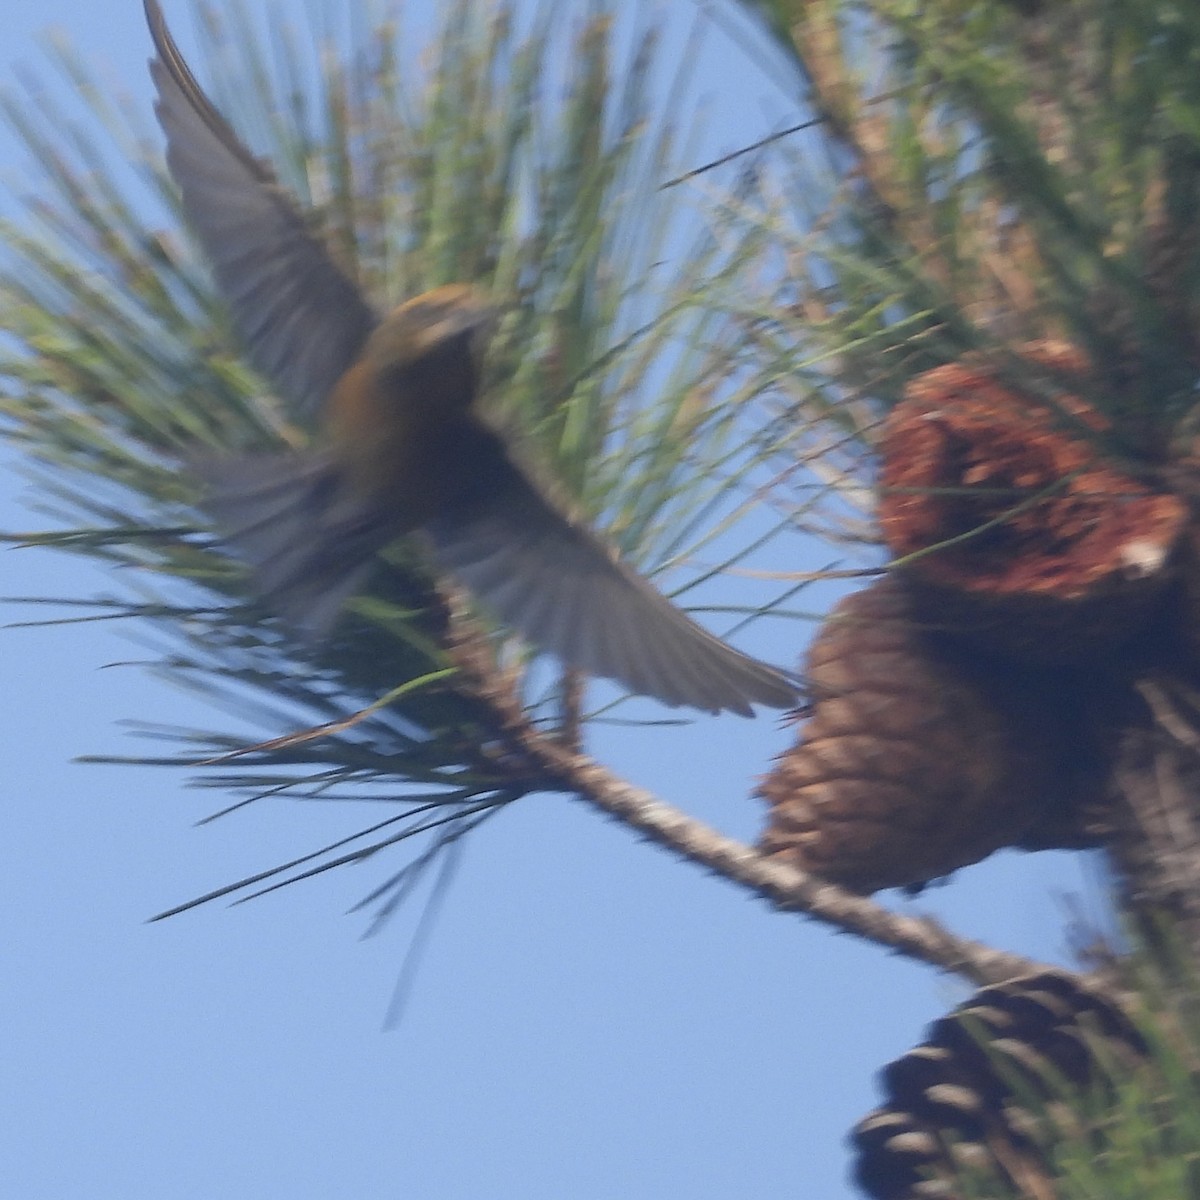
{"x":1007,"y":182}
{"x":1002,"y":178}
{"x":523,"y":155}
{"x":978,"y":181}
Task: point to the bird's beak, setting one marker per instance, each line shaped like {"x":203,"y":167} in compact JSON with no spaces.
{"x":470,"y":323}
{"x":450,"y":320}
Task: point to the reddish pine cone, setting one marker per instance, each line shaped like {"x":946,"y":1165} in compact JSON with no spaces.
{"x":1060,"y":552}
{"x":976,"y":1094}
{"x":1184,"y":470}
{"x":914,"y":761}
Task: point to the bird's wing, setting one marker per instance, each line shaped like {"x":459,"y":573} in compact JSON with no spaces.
{"x":309,"y":541}
{"x":302,"y":320}
{"x":551,"y":579}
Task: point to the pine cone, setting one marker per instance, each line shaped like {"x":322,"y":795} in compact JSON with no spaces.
{"x":1184,"y":473}
{"x":1033,"y":543}
{"x":915,"y":759}
{"x":981,"y":1093}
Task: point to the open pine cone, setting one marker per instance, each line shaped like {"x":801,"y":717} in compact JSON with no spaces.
{"x":984,"y":1090}
{"x":1005,"y":511}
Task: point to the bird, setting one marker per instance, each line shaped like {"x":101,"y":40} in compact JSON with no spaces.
{"x":403,"y":449}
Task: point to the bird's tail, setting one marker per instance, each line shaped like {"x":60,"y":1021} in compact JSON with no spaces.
{"x":308,"y":540}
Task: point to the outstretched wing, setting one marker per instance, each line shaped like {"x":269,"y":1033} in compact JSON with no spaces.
{"x":309,"y":541}
{"x":551,"y":579}
{"x":301,"y":319}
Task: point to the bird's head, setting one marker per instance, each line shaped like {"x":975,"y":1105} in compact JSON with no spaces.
{"x":437,"y":331}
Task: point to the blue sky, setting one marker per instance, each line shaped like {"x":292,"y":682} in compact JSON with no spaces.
{"x":592,"y":1020}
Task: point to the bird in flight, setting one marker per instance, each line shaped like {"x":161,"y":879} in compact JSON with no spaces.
{"x":404,"y":450}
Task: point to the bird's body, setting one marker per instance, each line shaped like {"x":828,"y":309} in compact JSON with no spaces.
{"x":401,"y":420}
{"x":405,"y":449}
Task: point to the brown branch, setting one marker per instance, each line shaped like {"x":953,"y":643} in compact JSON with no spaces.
{"x":1157,"y":850}
{"x":784,"y":888}
{"x":570,"y":728}
{"x":836,"y":96}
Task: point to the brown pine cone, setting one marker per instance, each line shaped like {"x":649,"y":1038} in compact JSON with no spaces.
{"x":1027,"y":539}
{"x":981,"y":1092}
{"x":915,"y":760}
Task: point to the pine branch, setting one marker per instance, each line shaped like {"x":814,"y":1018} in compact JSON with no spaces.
{"x":784,"y":888}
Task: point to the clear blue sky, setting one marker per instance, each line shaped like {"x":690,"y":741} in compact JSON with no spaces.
{"x":593,"y":1020}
